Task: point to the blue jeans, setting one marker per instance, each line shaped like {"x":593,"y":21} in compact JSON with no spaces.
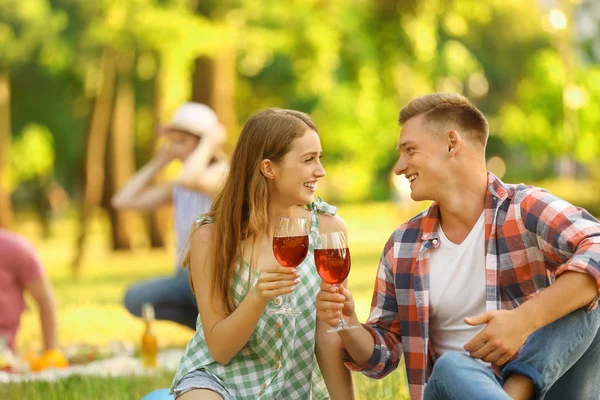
{"x":200,"y":379}
{"x":172,"y":298}
{"x":562,"y":359}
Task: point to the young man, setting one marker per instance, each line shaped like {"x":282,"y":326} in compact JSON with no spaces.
{"x":21,"y":271}
{"x":194,"y":136}
{"x":492,"y":292}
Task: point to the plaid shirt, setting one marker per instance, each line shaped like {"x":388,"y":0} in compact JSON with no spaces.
{"x":531,"y":237}
{"x":278,"y":362}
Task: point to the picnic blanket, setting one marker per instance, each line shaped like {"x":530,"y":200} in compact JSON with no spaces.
{"x":114,"y":366}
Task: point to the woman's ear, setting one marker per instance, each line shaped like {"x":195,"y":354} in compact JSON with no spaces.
{"x":266,"y":167}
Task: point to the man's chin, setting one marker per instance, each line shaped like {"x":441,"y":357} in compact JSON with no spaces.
{"x":416,"y":196}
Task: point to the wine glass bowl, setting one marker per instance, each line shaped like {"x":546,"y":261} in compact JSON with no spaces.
{"x":290,"y":251}
{"x":332,"y":259}
{"x":333,"y":265}
{"x":290,"y":247}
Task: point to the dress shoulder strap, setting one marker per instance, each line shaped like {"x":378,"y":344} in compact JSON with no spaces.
{"x":320,"y":206}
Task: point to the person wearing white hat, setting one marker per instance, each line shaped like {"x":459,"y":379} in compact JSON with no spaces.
{"x":194,"y":136}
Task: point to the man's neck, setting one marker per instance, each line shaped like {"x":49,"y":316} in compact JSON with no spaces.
{"x":462,"y":206}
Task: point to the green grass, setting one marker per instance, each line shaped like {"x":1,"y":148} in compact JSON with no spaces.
{"x":79,"y":387}
{"x":90,"y":309}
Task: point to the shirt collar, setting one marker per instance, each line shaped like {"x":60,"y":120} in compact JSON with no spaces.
{"x":429,"y":225}
{"x":496,"y":188}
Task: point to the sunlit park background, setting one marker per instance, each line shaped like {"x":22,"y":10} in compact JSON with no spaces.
{"x":84,"y":85}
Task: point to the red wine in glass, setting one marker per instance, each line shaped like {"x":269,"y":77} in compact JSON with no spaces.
{"x":332,"y":259}
{"x":290,"y":246}
{"x":290,"y":251}
{"x":333,"y":265}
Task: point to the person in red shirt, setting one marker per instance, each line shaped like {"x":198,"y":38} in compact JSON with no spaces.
{"x":21,"y":271}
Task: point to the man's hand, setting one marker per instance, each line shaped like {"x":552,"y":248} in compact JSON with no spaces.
{"x":505,"y":333}
{"x":331,"y":304}
{"x":165,"y":153}
{"x":217,"y":135}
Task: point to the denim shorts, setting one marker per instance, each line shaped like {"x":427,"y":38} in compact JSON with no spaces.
{"x":200,"y":379}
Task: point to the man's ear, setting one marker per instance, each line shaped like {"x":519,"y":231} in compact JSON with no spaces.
{"x":454,"y":141}
{"x":266,"y":167}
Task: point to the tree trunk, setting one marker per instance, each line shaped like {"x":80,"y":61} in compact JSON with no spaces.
{"x":42,"y":203}
{"x":119,"y":239}
{"x":121,"y":165}
{"x":6,"y":209}
{"x":155,"y":228}
{"x":213,"y":84}
{"x":95,"y":152}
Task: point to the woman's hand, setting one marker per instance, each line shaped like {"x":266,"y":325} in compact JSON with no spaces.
{"x":332,"y":302}
{"x":274,"y":281}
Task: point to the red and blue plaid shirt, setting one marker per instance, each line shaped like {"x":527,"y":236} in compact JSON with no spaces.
{"x":531,"y":237}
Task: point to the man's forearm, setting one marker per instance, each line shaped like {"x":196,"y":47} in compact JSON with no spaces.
{"x":359,"y":343}
{"x":571,"y":291}
{"x":137,"y":183}
{"x":197,"y":163}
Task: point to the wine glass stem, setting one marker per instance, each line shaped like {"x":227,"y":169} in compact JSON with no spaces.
{"x":285,"y":305}
{"x":285,"y":302}
{"x":341,"y":322}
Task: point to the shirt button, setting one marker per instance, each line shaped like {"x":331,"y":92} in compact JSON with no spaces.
{"x":259,"y":393}
{"x":277,"y":325}
{"x":277,"y":301}
{"x":276,"y":365}
{"x":264,"y":385}
{"x":435,"y":241}
{"x":277,"y":358}
{"x":278,"y":334}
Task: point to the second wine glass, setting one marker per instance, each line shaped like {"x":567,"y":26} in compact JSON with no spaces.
{"x":332,"y":258}
{"x":290,"y":246}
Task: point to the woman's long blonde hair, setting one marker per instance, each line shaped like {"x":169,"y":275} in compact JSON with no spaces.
{"x":239,"y":211}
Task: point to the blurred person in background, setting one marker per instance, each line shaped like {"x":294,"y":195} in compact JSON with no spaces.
{"x":195,"y":136}
{"x":21,"y":271}
{"x":241,"y":348}
{"x":491,"y":293}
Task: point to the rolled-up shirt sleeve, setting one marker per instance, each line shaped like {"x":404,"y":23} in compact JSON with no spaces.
{"x":566,"y":234}
{"x":383,"y":323}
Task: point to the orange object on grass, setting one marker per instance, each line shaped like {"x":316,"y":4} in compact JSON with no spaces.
{"x":36,"y":363}
{"x":53,"y":358}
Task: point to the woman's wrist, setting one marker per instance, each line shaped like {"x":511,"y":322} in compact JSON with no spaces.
{"x":256,"y":299}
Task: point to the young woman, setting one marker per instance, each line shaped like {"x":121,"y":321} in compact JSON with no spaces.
{"x":240,"y":350}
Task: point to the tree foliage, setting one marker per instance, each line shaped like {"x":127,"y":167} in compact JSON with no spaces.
{"x":350,"y":65}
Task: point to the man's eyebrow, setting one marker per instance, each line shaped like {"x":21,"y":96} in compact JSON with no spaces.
{"x":404,"y":144}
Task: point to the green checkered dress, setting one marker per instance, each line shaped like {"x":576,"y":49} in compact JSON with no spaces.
{"x":278,"y":362}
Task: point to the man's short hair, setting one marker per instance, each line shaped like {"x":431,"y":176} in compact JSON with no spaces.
{"x":447,"y":109}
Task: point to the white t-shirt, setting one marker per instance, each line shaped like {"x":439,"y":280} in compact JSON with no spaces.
{"x":457,"y":289}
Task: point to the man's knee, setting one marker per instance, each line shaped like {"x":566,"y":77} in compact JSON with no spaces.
{"x":444,"y":379}
{"x":133,"y":301}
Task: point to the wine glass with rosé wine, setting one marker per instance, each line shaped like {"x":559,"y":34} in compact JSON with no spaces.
{"x":332,"y":258}
{"x":290,"y":247}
